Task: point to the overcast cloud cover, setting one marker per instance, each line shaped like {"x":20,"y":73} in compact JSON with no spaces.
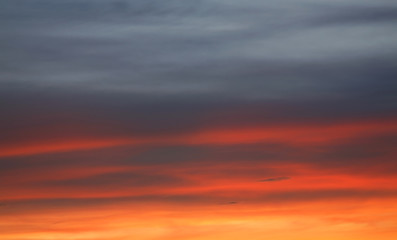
{"x":190,"y":57}
{"x":252,"y":49}
{"x":196,"y":102}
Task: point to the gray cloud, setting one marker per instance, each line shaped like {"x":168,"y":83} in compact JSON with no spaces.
{"x":275,"y":179}
{"x":259,"y":49}
{"x":120,"y":180}
{"x":51,"y":114}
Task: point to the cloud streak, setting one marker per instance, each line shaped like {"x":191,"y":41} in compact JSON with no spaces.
{"x":275,"y":179}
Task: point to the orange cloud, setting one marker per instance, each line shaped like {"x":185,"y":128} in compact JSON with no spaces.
{"x":297,"y":135}
{"x":199,"y":200}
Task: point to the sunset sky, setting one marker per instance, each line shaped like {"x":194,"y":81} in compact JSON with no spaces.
{"x":198,"y":120}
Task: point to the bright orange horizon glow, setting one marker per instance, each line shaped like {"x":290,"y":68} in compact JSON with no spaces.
{"x":291,"y":200}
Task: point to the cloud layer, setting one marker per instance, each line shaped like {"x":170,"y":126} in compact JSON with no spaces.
{"x":152,"y":119}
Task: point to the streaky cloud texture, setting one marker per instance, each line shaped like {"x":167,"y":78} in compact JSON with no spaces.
{"x":198,"y":119}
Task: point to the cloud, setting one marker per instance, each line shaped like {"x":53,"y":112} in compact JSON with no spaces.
{"x":274,"y":179}
{"x":120,"y":180}
{"x":128,"y":110}
{"x":276,"y":197}
{"x":257,"y":50}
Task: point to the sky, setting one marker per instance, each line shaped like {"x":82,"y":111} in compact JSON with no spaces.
{"x":198,"y":119}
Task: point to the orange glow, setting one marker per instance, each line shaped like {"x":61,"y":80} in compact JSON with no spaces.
{"x":204,"y":199}
{"x":51,"y":147}
{"x":298,"y":135}
{"x":363,"y":220}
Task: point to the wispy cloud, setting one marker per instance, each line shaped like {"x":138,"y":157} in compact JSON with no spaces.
{"x":275,"y":179}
